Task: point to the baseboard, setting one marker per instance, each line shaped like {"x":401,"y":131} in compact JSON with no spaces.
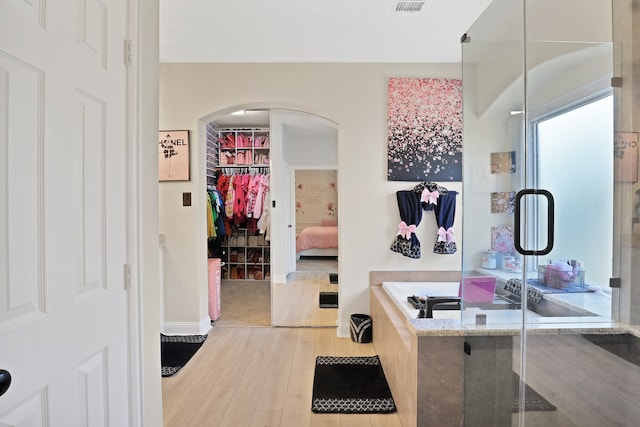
{"x":279,"y":278}
{"x":343,"y":330}
{"x":187,"y":328}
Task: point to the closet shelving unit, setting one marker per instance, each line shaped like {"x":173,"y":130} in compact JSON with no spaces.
{"x":243,"y":147}
{"x":246,"y":255}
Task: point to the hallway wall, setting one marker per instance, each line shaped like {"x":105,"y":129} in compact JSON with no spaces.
{"x":354,"y":96}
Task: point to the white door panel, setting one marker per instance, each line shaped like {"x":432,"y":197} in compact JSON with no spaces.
{"x":63,"y":231}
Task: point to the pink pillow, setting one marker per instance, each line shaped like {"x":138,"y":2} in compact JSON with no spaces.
{"x":329,"y":223}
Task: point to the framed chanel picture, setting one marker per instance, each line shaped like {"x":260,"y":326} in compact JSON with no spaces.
{"x":173,"y":155}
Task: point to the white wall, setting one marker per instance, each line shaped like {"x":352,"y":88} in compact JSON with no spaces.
{"x":352,"y":95}
{"x":309,"y":148}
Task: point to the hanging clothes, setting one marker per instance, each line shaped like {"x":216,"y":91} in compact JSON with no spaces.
{"x":445,"y":212}
{"x":263,"y":191}
{"x":215,"y":208}
{"x":252,"y":194}
{"x":264,"y":221}
{"x":406,"y":242}
{"x":215,"y":223}
{"x":241,"y":187}
{"x":426,"y":196}
{"x":243,"y":194}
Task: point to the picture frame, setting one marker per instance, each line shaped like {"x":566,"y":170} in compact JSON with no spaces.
{"x":503,"y":162}
{"x":173,"y":155}
{"x":503,"y":202}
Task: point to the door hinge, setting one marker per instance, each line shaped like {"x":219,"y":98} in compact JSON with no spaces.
{"x":128,"y":277}
{"x":128,"y":53}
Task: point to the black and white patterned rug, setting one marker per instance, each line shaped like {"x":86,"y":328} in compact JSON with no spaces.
{"x":533,"y":401}
{"x":328,"y":300}
{"x":351,"y":385}
{"x":177,"y":350}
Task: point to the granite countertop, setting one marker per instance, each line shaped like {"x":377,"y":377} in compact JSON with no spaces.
{"x":507,"y":322}
{"x":455,"y":327}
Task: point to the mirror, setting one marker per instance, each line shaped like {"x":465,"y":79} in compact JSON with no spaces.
{"x":308,"y":296}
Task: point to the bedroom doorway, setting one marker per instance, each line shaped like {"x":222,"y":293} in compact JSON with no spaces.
{"x":316,"y":258}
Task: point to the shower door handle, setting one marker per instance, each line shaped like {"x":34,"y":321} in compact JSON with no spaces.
{"x":517,"y":222}
{"x":5,"y":381}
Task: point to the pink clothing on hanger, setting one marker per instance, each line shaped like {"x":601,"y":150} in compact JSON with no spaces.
{"x":230,"y":197}
{"x":252,"y":194}
{"x":260,"y":196}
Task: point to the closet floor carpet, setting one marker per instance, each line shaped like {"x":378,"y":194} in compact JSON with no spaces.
{"x":245,"y":303}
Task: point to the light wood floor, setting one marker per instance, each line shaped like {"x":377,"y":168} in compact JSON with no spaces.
{"x":259,"y":376}
{"x":295,"y":303}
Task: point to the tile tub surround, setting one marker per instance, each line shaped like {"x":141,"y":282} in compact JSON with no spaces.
{"x":425,"y":373}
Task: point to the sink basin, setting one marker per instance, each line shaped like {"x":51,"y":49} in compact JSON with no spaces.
{"x":547,"y":308}
{"x":550,"y":309}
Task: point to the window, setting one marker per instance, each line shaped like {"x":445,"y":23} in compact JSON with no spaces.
{"x":573,"y":159}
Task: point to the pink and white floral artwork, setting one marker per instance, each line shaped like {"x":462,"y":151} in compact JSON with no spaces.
{"x":424,"y":129}
{"x":502,"y":239}
{"x":503,"y":202}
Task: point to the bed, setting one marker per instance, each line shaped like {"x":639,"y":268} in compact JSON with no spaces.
{"x":317,"y":241}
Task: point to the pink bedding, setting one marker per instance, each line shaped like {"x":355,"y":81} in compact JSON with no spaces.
{"x":317,"y":238}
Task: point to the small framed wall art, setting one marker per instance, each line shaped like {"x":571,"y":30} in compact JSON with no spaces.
{"x":173,"y":155}
{"x":504,"y":162}
{"x":503,"y":202}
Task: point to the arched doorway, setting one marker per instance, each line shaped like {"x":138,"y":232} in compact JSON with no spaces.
{"x":298,"y":140}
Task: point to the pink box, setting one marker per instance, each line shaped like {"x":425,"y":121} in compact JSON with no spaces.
{"x":561,"y":279}
{"x":214,"y":288}
{"x":477,"y":288}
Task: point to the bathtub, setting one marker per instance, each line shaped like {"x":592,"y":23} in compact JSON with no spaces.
{"x":399,"y":291}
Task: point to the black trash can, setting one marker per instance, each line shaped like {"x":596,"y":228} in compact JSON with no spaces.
{"x":361,"y":328}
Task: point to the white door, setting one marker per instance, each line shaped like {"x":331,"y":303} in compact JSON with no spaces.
{"x":63,"y":230}
{"x":290,"y":218}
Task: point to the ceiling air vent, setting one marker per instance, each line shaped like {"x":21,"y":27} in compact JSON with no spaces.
{"x":409,"y":5}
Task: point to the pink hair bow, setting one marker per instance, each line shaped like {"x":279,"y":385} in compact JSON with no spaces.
{"x":446,"y":235}
{"x":430,"y":196}
{"x":406,"y":230}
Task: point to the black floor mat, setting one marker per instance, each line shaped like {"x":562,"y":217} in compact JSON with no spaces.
{"x":328,"y":300}
{"x":177,"y":350}
{"x":351,"y":385}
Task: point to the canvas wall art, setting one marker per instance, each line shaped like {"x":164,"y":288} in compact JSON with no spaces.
{"x":502,"y":239}
{"x":424,"y":129}
{"x":504,"y":162}
{"x":503,"y":202}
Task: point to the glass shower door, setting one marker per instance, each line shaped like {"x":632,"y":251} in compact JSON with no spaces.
{"x":538,"y":219}
{"x":494,"y":171}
